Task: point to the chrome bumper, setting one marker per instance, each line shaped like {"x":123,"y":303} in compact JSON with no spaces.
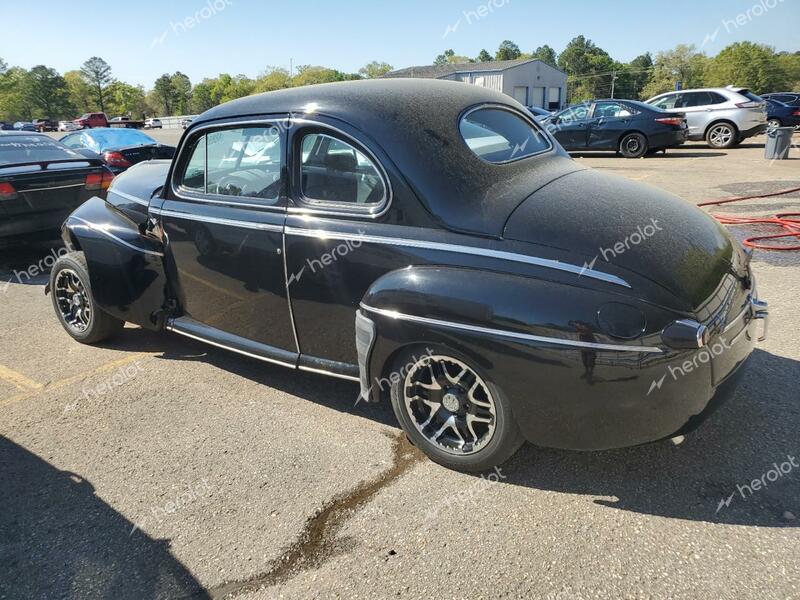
{"x":760,"y":312}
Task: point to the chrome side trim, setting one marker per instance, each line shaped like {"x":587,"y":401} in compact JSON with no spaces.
{"x":328,"y":373}
{"x":114,"y":237}
{"x":217,"y":221}
{"x":738,"y":318}
{"x":171,"y":328}
{"x":472,"y":250}
{"x":130,"y":197}
{"x":510,"y":334}
{"x":289,"y":295}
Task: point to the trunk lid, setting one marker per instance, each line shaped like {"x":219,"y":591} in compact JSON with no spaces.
{"x":615,"y":224}
{"x":137,"y":154}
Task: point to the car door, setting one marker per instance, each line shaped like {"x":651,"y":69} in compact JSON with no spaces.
{"x":608,"y":122}
{"x":339,"y":195}
{"x":571,"y":127}
{"x":699,"y":110}
{"x":223,"y":218}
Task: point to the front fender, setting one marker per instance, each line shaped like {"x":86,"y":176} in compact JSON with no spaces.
{"x":126,"y":269}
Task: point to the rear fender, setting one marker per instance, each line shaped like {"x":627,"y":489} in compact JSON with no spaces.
{"x":126,"y":266}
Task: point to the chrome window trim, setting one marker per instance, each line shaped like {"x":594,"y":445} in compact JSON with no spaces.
{"x":339,"y":209}
{"x":472,"y":250}
{"x":192,"y":196}
{"x":130,"y":197}
{"x":528,"y":337}
{"x":92,"y":227}
{"x":531,"y":121}
{"x":217,"y":220}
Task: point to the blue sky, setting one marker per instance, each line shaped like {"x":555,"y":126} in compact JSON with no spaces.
{"x":148,"y":37}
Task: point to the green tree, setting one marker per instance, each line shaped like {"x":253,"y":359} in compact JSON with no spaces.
{"x":444,"y":57}
{"x":13,"y":106}
{"x":508,"y":50}
{"x":310,"y":75}
{"x":126,"y":99}
{"x":201,"y":99}
{"x":747,"y":64}
{"x":97,"y":73}
{"x":546,"y":54}
{"x":183,"y":92}
{"x":45,"y":91}
{"x":590,"y":69}
{"x":375,"y":69}
{"x":165,"y":93}
{"x":682,"y":65}
{"x":274,"y":78}
{"x":78,"y":90}
{"x":484,"y":56}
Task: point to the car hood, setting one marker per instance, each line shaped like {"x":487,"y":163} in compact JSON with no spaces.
{"x":622,"y":227}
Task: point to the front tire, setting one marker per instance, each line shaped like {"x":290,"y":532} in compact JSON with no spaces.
{"x":71,"y":293}
{"x":722,"y":136}
{"x":633,"y":145}
{"x":456,"y":416}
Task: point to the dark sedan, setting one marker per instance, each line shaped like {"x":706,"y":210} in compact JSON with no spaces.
{"x":626,"y":126}
{"x":790,"y":98}
{"x":41,"y":182}
{"x":431,"y":241}
{"x":119,"y":148}
{"x":782,"y":115}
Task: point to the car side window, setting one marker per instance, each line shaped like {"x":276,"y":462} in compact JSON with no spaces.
{"x":694,"y":99}
{"x":667,"y":101}
{"x":576,"y":113}
{"x":717,"y":98}
{"x":610,"y":110}
{"x":334,"y":171}
{"x":242,"y":162}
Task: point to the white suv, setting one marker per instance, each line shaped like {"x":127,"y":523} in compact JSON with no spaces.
{"x":721,"y":116}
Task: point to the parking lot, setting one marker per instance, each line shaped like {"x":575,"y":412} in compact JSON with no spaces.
{"x":158,"y":467}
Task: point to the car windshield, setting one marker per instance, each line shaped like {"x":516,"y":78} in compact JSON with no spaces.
{"x":101,"y":140}
{"x":499,"y":136}
{"x":15,"y":149}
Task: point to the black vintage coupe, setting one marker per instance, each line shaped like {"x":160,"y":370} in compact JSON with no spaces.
{"x":631,"y":128}
{"x":431,"y":241}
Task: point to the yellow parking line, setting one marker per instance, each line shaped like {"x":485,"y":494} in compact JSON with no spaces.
{"x":70,"y":380}
{"x":18,"y":380}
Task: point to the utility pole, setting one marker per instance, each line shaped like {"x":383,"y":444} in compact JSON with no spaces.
{"x":291,"y":68}
{"x":613,"y":81}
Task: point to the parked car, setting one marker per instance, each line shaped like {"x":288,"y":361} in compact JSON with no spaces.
{"x":626,"y":126}
{"x":126,"y":122}
{"x":186,"y":122}
{"x":25,"y":126}
{"x":152,"y":123}
{"x":723,"y":117}
{"x":41,"y":182}
{"x":119,"y":148}
{"x":43,"y":125}
{"x":89,"y":120}
{"x":67,"y":126}
{"x":782,"y":115}
{"x":5,"y":126}
{"x":431,"y":241}
{"x":790,"y":98}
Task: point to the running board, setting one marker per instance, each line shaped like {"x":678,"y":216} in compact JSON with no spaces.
{"x":195,"y":330}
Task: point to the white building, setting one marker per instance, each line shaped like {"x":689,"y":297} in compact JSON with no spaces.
{"x":529,"y":81}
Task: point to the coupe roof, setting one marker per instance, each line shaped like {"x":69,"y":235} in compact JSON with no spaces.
{"x":415,"y":122}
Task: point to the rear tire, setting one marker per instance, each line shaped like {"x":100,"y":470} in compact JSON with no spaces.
{"x":774,"y":123}
{"x":71,"y":293}
{"x":633,"y":145}
{"x":722,"y":136}
{"x":432,"y":388}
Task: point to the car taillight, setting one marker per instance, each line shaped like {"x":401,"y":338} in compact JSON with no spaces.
{"x":796,"y":113}
{"x":7,"y":191}
{"x":99,"y":181}
{"x":670,"y":120}
{"x":750,"y":104}
{"x":115,"y":159}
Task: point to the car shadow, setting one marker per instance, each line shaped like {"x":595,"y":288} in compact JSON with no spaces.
{"x":29,"y":264}
{"x":670,"y":154}
{"x":58,"y":539}
{"x":707,"y":478}
{"x":737,"y":444}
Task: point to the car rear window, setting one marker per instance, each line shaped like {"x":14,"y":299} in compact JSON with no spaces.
{"x":16,"y":149}
{"x":498,"y":136}
{"x":751,"y":96}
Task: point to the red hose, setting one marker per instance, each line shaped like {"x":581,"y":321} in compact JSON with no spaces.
{"x":790,"y":226}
